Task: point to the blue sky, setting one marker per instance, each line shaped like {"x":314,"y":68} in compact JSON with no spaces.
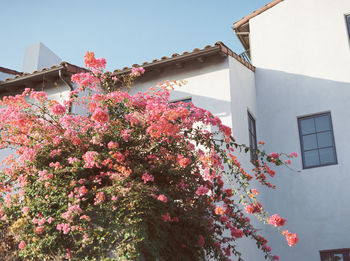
{"x":124,"y":32}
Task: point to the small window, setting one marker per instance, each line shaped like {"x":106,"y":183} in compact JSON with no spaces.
{"x":252,"y":138}
{"x":317,"y":141}
{"x":335,"y":255}
{"x":187,"y":100}
{"x":347,"y":18}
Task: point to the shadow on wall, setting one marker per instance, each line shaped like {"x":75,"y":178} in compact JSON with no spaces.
{"x":217,"y":107}
{"x":313,"y":200}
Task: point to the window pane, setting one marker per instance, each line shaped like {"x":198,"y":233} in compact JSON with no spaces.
{"x":250,"y":140}
{"x":307,"y":126}
{"x":323,"y":123}
{"x":311,"y":158}
{"x":251,"y":124}
{"x":252,"y":137}
{"x":325,"y":139}
{"x":254,"y":142}
{"x":337,"y":257}
{"x":327,"y":156}
{"x":309,"y":142}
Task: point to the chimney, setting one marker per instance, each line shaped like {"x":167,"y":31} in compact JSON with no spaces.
{"x":37,"y":57}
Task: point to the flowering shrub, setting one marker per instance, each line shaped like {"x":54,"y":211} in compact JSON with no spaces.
{"x":135,"y":178}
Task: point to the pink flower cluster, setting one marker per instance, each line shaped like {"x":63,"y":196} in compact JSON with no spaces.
{"x":237,"y":233}
{"x":71,"y":212}
{"x":90,"y":158}
{"x":39,"y":96}
{"x":58,"y":109}
{"x":183,"y":162}
{"x":202,"y":190}
{"x":137,"y":71}
{"x":25,"y":210}
{"x":277,"y":221}
{"x":254,"y":208}
{"x":85,"y":80}
{"x":147,"y":177}
{"x":292,"y":238}
{"x":100,"y":116}
{"x":100,"y":197}
{"x":22,"y":245}
{"x":219,"y":210}
{"x":162,"y":198}
{"x":94,"y":63}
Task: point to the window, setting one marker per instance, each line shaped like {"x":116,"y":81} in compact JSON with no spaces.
{"x":186,"y":100}
{"x":317,"y":140}
{"x":252,"y":138}
{"x":335,"y":255}
{"x":347,"y":18}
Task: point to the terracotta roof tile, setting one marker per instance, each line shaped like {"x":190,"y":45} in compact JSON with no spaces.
{"x":217,"y":47}
{"x":64,"y":65}
{"x":176,"y":58}
{"x":255,"y":13}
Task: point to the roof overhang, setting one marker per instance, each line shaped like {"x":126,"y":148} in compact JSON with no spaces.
{"x":9,"y":71}
{"x":197,"y":54}
{"x":241,"y":27}
{"x":27,"y":80}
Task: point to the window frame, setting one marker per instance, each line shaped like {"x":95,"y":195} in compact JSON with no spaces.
{"x":324,"y":253}
{"x":347,"y":23}
{"x":253,"y":156}
{"x":318,"y":148}
{"x":185,"y":100}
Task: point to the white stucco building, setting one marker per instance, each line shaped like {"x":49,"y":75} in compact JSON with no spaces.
{"x":301,"y":53}
{"x":297,"y":92}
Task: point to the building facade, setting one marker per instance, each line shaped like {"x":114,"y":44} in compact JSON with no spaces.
{"x":294,"y":95}
{"x":301,"y":53}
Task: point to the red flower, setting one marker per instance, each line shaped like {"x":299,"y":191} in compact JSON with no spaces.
{"x":219,"y":210}
{"x":162,"y":198}
{"x":277,"y":221}
{"x":292,"y":238}
{"x":100,"y":116}
{"x":166,"y":217}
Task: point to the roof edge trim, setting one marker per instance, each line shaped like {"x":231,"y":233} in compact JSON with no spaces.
{"x":246,"y":18}
{"x":9,"y":71}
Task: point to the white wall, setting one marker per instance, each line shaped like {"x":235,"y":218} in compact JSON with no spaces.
{"x":301,"y":52}
{"x":243,"y":99}
{"x":207,"y":84}
{"x":38,"y":56}
{"x":306,"y":37}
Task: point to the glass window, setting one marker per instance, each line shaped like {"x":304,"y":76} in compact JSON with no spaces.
{"x":317,"y":140}
{"x":185,"y":101}
{"x":347,"y":17}
{"x":252,"y":138}
{"x":335,"y":255}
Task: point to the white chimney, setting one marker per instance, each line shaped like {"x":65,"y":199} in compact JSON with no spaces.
{"x":37,"y":57}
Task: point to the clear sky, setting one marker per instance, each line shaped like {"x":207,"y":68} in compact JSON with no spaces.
{"x":124,"y":32}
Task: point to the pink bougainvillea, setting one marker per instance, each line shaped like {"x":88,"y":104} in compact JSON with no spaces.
{"x":277,"y":221}
{"x":292,"y":238}
{"x":133,"y":172}
{"x":58,"y":109}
